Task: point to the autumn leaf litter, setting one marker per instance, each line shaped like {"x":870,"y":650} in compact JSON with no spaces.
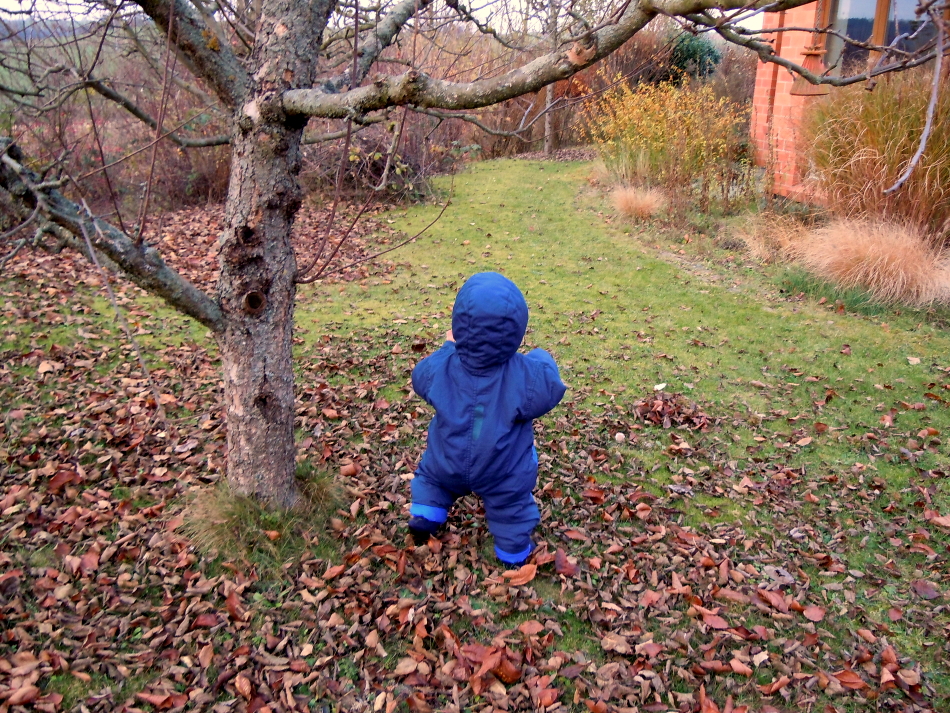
{"x":628,"y":604}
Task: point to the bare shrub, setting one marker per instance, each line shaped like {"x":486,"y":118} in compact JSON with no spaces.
{"x":734,"y":78}
{"x":636,"y":202}
{"x":894,"y":262}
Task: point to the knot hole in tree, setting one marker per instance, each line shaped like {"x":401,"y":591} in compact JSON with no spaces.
{"x":268,"y":404}
{"x":254,"y":302}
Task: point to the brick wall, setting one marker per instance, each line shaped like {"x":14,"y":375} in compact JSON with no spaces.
{"x":773,"y":100}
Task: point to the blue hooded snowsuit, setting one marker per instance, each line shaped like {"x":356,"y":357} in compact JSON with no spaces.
{"x":485,"y":395}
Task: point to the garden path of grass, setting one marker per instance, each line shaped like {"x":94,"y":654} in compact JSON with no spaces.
{"x":843,"y":400}
{"x":621,"y":320}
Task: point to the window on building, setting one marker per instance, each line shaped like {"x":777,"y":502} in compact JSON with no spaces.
{"x":901,"y":20}
{"x":854,"y":18}
{"x":876,"y":21}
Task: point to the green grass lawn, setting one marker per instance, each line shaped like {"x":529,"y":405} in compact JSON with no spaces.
{"x":621,"y":320}
{"x":817,"y":479}
{"x":794,"y":385}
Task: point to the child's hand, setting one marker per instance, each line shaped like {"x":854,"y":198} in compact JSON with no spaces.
{"x":449,"y":337}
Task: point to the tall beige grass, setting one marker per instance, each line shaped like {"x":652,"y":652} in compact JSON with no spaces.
{"x":772,"y":237}
{"x":637,"y":202}
{"x":859,"y":142}
{"x":895,"y":263}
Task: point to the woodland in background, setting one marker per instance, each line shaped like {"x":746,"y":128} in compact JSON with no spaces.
{"x":407,"y":155}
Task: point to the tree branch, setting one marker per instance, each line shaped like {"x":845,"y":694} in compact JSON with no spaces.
{"x":363,"y":123}
{"x":385,"y":32}
{"x":418,"y":89}
{"x":466,"y":14}
{"x":111,"y":94}
{"x":389,"y":250}
{"x":214,"y":62}
{"x":767,"y":54}
{"x":931,"y":108}
{"x":476,"y":121}
{"x":143,"y":52}
{"x":141,"y":263}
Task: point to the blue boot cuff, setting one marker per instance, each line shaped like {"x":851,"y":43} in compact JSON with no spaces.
{"x":509,"y":558}
{"x":429,"y":512}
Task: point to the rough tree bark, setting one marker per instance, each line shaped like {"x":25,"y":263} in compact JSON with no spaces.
{"x":257,"y":266}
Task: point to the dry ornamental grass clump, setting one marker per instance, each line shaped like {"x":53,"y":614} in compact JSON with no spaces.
{"x":895,"y":263}
{"x":636,"y":202}
{"x":772,"y":237}
{"x":859,"y":142}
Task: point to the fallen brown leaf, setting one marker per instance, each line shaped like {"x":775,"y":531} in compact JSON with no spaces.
{"x":518,"y":577}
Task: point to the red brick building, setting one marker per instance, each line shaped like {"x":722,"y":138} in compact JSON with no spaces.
{"x":776,"y":112}
{"x":780,"y":101}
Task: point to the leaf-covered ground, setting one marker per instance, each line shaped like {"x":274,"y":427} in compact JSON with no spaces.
{"x":744,"y":496}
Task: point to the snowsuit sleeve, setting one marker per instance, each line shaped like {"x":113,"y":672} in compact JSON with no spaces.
{"x":424,"y":372}
{"x":545,"y":389}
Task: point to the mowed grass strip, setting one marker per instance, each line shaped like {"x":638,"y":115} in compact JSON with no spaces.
{"x":620,"y":319}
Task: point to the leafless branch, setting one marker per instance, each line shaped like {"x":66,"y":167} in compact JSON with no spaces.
{"x":341,"y":166}
{"x":767,"y":54}
{"x":210,"y":141}
{"x":483,"y":28}
{"x":20,"y":244}
{"x":111,"y":94}
{"x":397,"y":137}
{"x":102,"y":161}
{"x":120,"y":316}
{"x":26,"y":223}
{"x":363,"y":123}
{"x":162,"y":106}
{"x":476,"y":121}
{"x":302,"y":276}
{"x":215,"y":63}
{"x":382,"y":37}
{"x":141,"y":263}
{"x":931,"y":110}
{"x":156,"y":67}
{"x":394,"y":247}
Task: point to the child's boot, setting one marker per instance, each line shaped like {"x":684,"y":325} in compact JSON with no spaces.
{"x":422,"y":529}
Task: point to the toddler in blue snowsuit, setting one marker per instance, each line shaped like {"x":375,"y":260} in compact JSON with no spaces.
{"x":485,"y":395}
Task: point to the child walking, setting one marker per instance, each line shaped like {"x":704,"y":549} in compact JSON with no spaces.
{"x":485,"y":396}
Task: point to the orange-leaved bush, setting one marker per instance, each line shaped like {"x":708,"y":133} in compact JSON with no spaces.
{"x":677,"y":136}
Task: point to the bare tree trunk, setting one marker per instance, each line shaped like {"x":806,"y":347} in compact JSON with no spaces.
{"x":258,"y":270}
{"x":257,"y":297}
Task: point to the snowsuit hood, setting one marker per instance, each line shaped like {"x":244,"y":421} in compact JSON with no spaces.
{"x":489,"y":320}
